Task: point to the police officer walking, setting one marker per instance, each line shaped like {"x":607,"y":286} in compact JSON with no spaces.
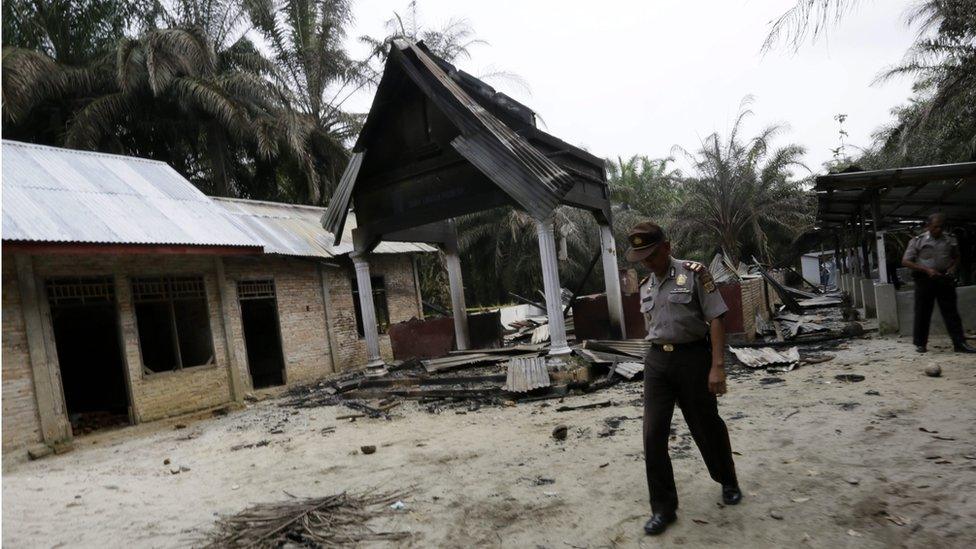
{"x":933,"y":257}
{"x":685,"y":364}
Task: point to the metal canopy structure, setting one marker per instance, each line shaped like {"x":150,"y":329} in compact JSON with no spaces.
{"x":889,"y":198}
{"x":900,"y":194}
{"x":437,"y":144}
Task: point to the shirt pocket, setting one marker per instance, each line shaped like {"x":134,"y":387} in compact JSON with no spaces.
{"x":680,"y":298}
{"x":647,"y":303}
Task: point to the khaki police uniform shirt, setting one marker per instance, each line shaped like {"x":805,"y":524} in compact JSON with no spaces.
{"x":679,"y":308}
{"x":934,"y":253}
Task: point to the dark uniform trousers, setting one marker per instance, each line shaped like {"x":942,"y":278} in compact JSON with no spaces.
{"x":928,"y":290}
{"x":681,"y":376}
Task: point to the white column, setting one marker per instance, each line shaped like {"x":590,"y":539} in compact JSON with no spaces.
{"x":550,"y":279}
{"x":457,"y":297}
{"x":882,"y":263}
{"x":611,"y":280}
{"x":375,"y":365}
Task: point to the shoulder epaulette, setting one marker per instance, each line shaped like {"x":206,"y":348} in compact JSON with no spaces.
{"x":693,"y":266}
{"x":642,"y":281}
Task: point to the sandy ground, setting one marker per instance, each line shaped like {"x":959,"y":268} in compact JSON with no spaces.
{"x":836,"y":466}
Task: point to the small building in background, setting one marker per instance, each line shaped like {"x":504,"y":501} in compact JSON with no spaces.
{"x":130,"y":296}
{"x":819,"y":268}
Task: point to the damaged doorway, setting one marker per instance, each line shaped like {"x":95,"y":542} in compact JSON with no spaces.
{"x":262,"y":335}
{"x":85,"y":320}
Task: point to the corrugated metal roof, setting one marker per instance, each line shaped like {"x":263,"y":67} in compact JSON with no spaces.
{"x":292,"y":229}
{"x":63,"y":195}
{"x":534,"y":181}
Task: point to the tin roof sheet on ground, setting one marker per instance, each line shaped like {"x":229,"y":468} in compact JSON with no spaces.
{"x":294,"y":229}
{"x":62,"y":195}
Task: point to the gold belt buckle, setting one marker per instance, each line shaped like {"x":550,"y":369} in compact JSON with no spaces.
{"x":667,"y":347}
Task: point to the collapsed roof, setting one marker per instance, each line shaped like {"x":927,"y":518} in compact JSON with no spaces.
{"x":439,"y":143}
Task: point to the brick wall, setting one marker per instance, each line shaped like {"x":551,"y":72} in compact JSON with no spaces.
{"x":752,"y":303}
{"x":156,"y":395}
{"x":301,"y":311}
{"x":758,"y":297}
{"x":402,"y":303}
{"x":21,"y":422}
{"x":301,"y":315}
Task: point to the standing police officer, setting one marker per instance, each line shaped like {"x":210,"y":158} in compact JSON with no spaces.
{"x":933,"y":257}
{"x":685,"y":364}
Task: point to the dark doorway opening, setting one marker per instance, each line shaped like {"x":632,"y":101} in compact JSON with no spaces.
{"x":89,"y":346}
{"x":262,"y":335}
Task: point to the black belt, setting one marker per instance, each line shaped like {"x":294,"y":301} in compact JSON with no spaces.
{"x":669,"y":347}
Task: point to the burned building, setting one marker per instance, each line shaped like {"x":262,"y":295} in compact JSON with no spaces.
{"x":130,"y":296}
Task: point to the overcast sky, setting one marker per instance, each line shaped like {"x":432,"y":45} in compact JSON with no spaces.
{"x":623,"y":77}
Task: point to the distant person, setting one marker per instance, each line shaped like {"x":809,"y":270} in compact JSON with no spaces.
{"x":933,"y":257}
{"x":683,"y":313}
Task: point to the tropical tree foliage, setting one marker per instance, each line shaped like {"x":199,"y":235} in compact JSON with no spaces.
{"x":190,"y":89}
{"x":71,"y":32}
{"x":938,"y":124}
{"x":743,"y":196}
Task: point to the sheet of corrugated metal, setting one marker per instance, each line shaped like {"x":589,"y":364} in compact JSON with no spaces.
{"x":526,"y":374}
{"x":293,"y":229}
{"x":62,"y":195}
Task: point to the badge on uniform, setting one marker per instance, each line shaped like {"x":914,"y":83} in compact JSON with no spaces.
{"x":707,"y":283}
{"x":682,"y":279}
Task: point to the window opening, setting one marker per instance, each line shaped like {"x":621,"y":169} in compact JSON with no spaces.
{"x":379,"y":304}
{"x":173,"y":321}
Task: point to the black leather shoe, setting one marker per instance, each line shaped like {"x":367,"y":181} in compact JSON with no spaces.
{"x":731,"y":495}
{"x":964,"y":348}
{"x":658,"y":523}
{"x":920,"y":349}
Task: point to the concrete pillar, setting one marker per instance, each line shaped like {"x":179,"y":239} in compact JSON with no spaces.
{"x":886,"y":303}
{"x":55,"y":428}
{"x":611,"y":280}
{"x":880,"y":251}
{"x":228,"y":299}
{"x":457,"y":297}
{"x":867,"y":297}
{"x":374,"y":365}
{"x":856,"y":291}
{"x":553,"y":292}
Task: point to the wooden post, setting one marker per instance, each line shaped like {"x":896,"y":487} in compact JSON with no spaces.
{"x":374,"y":365}
{"x":611,"y":281}
{"x":553,"y":291}
{"x":55,"y":428}
{"x":458,"y":307}
{"x":227,"y":301}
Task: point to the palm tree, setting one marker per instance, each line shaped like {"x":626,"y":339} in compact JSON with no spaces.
{"x":68,"y":31}
{"x":943,"y":62}
{"x":806,"y":19}
{"x":500,"y":251}
{"x":307,"y":42}
{"x":938,"y":124}
{"x":192,"y":90}
{"x":648,"y":186}
{"x":742,"y":193}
